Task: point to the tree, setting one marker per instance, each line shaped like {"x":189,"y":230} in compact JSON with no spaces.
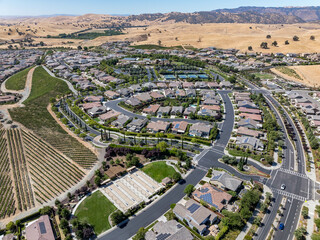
{"x":268,"y":36}
{"x":45,"y":210}
{"x":295,"y":38}
{"x":63,"y":223}
{"x":79,"y":47}
{"x":41,"y":44}
{"x":11,"y":227}
{"x":189,"y":189}
{"x":300,"y":233}
{"x":312,"y":38}
{"x":65,"y":213}
{"x":162,"y":146}
{"x":159,"y":42}
{"x":176,"y":177}
{"x":286,"y":42}
{"x":275,"y":44}
{"x":257,"y":221}
{"x":317,"y":222}
{"x":264,"y":45}
{"x":140,"y":234}
{"x":97,"y":180}
{"x":305,"y":212}
{"x":250,"y":48}
{"x":170,"y":136}
{"x":117,"y":217}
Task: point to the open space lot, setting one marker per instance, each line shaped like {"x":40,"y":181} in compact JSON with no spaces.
{"x":158,"y":170}
{"x":95,"y":210}
{"x":130,"y":190}
{"x":18,"y":81}
{"x":36,"y":117}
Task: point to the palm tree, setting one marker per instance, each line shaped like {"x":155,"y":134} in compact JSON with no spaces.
{"x":171,"y":136}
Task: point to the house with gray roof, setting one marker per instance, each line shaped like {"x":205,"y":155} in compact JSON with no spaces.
{"x":195,"y":214}
{"x":137,"y":124}
{"x":120,"y":122}
{"x":249,"y":123}
{"x":225,"y":181}
{"x":171,"y":230}
{"x":176,"y":110}
{"x":251,"y":143}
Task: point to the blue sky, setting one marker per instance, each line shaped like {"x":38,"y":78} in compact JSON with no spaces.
{"x":44,"y":7}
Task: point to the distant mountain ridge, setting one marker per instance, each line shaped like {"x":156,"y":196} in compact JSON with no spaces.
{"x":307,"y":14}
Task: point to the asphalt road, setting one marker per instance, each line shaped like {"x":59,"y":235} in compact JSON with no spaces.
{"x":155,"y":211}
{"x":298,"y":186}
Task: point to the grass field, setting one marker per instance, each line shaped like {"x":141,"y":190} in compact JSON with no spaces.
{"x":290,"y":72}
{"x":96,"y":210}
{"x":36,"y":117}
{"x":264,"y":75}
{"x":18,"y":81}
{"x":158,"y":170}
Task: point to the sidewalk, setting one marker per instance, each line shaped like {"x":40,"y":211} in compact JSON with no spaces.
{"x":310,"y":221}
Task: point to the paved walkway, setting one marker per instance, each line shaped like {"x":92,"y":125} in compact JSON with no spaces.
{"x":310,"y":221}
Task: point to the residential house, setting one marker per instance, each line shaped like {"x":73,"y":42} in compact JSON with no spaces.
{"x":189,"y":110}
{"x":211,"y":102}
{"x":158,"y":126}
{"x":144,"y":97}
{"x":249,"y":110}
{"x":156,"y":95}
{"x":212,"y":195}
{"x":164,"y":111}
{"x":251,"y":143}
{"x":151,"y":110}
{"x":179,"y":127}
{"x":135,"y":88}
{"x":176,"y":110}
{"x":40,"y":229}
{"x":188,"y":85}
{"x":247,"y":104}
{"x":124,"y":92}
{"x":111,"y":94}
{"x":226,"y":84}
{"x":169,"y":93}
{"x":244,"y":131}
{"x":180,"y":93}
{"x":170,"y":230}
{"x":137,"y":124}
{"x":209,"y":113}
{"x":162,"y":85}
{"x":93,"y":99}
{"x":121,"y":120}
{"x":200,"y":130}
{"x":96,"y":111}
{"x":133,"y":102}
{"x":196,"y":215}
{"x":87,"y":106}
{"x":224,"y":180}
{"x":109,"y":115}
{"x":191,"y":93}
{"x":255,"y":117}
{"x":249,"y":123}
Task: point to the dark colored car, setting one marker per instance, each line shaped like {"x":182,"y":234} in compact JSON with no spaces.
{"x":281,"y":226}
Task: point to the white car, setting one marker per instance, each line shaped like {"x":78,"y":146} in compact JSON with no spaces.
{"x":283,"y":187}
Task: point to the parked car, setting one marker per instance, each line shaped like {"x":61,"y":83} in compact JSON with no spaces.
{"x":283,"y":187}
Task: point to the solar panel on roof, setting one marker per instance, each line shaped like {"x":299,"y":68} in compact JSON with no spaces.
{"x":179,"y":226}
{"x":42,"y":228}
{"x":207,"y":198}
{"x":194,"y":207}
{"x":204,"y":190}
{"x":177,"y":125}
{"x":216,"y":177}
{"x":163,"y":236}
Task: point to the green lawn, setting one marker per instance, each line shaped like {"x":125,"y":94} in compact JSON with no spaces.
{"x":158,"y":170}
{"x":264,"y":75}
{"x":96,"y":210}
{"x":36,"y":117}
{"x":18,"y":81}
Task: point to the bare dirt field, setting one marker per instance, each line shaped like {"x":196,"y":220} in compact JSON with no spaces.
{"x":309,"y":75}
